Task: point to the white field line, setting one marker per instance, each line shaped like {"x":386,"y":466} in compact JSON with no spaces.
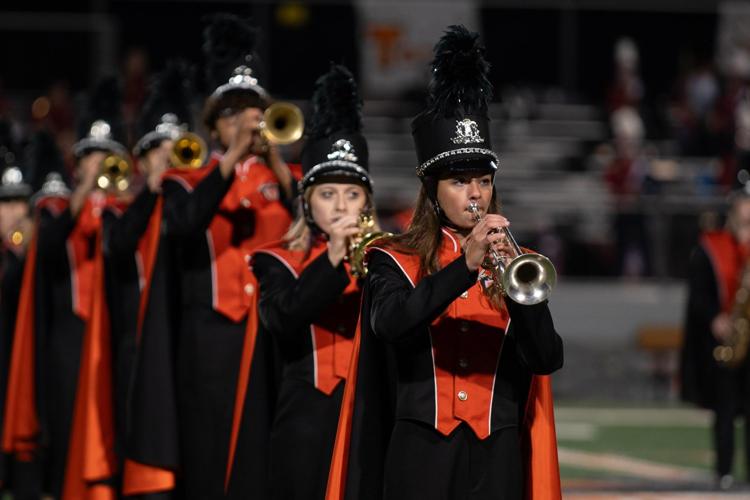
{"x":656,"y":417}
{"x":630,"y":466}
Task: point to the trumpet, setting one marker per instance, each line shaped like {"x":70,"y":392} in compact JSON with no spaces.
{"x":359,"y":243}
{"x":527,"y":279}
{"x":282,"y":123}
{"x":114,"y":173}
{"x":189,"y":151}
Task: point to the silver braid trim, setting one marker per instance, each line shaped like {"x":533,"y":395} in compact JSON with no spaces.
{"x":455,"y":152}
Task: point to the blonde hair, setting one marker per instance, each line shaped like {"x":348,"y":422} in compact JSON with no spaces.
{"x":299,"y":236}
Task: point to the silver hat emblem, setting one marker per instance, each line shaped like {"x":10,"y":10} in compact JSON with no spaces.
{"x":467,"y":132}
{"x":12,"y":176}
{"x":100,"y":130}
{"x":54,"y":185}
{"x":243,"y":75}
{"x":343,"y":150}
{"x":170,"y":125}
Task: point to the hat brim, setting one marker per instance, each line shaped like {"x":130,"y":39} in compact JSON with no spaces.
{"x":148,"y":142}
{"x":235,"y":97}
{"x":15,"y":192}
{"x":89,"y":145}
{"x":337,"y":171}
{"x":466,"y":161}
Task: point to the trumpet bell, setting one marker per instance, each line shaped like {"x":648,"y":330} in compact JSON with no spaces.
{"x":283,"y":123}
{"x":529,"y":279}
{"x":114,"y":173}
{"x":357,"y":257}
{"x":359,"y":244}
{"x":189,"y":151}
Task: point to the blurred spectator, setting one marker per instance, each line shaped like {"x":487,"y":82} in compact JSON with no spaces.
{"x":742,"y":140}
{"x":735,"y":89}
{"x":627,"y":88}
{"x":624,"y":176}
{"x":692,"y":113}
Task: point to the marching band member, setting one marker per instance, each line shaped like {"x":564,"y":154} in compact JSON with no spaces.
{"x":131,"y":240}
{"x":309,"y":297}
{"x":447,"y":396}
{"x":58,"y":300}
{"x":718,"y":267}
{"x":19,"y":473}
{"x":218,"y":215}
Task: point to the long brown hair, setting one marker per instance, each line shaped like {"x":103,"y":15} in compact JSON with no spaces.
{"x":424,"y":235}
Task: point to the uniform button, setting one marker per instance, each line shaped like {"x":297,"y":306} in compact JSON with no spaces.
{"x":465,"y":295}
{"x":249,"y":289}
{"x":464,"y":327}
{"x":245,"y":202}
{"x":462,"y":395}
{"x":463,"y":363}
{"x":247,"y":258}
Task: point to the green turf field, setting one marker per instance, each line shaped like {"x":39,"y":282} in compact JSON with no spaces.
{"x":654,"y":444}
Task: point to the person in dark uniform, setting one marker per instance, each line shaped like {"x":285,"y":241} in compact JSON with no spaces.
{"x":717,"y":273}
{"x":63,"y":269}
{"x":466,"y":398}
{"x":165,"y":117}
{"x":218,"y":214}
{"x":309,"y":299}
{"x":18,"y":472}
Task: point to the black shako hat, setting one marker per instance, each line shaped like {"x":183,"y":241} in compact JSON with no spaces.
{"x":45,"y":167}
{"x":13,"y":182}
{"x":335,"y":146}
{"x":453,"y":133}
{"x":13,"y":185}
{"x":166,"y":113}
{"x":102,"y":127}
{"x":231,"y":67}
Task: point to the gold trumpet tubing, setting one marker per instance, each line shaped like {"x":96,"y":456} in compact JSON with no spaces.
{"x":359,"y":243}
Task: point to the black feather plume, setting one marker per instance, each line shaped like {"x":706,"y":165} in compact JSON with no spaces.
{"x":8,"y":146}
{"x":171,"y":92}
{"x":228,"y":42}
{"x":460,"y":75}
{"x":105,"y":103}
{"x":337,"y":105}
{"x":41,"y":157}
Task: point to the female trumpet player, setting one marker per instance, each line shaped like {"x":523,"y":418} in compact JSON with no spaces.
{"x":128,"y":235}
{"x":309,"y":298}
{"x":216,"y":216}
{"x":452,"y":367}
